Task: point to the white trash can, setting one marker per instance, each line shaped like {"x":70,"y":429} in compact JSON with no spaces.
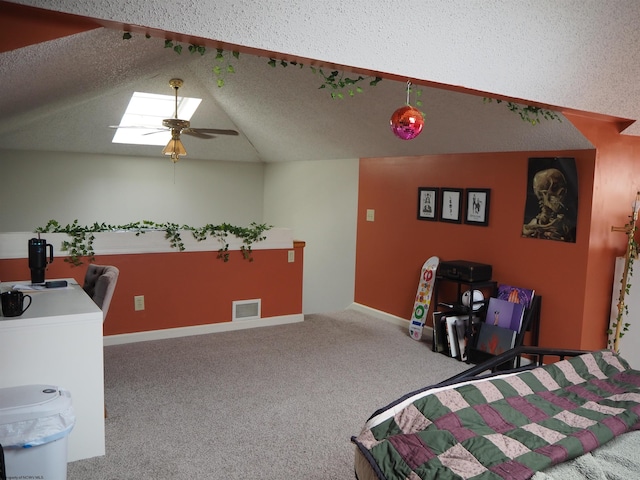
{"x":35,"y":422}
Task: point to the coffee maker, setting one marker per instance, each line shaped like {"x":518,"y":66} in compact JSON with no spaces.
{"x":38,"y":258}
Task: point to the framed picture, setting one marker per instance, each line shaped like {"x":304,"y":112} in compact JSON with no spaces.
{"x":451,"y":205}
{"x":477,"y":209}
{"x":428,"y":203}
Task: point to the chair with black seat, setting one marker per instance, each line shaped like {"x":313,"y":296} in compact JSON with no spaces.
{"x":100,"y":283}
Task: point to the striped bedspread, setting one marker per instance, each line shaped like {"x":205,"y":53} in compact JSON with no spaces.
{"x":508,"y":427}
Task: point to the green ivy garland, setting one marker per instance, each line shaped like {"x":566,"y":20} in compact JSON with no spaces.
{"x":336,"y":81}
{"x":618,"y":328}
{"x":528,"y":113}
{"x":220,"y":70}
{"x":82,"y":237}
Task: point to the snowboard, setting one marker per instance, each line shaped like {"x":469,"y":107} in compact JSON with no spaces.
{"x":423,"y":297}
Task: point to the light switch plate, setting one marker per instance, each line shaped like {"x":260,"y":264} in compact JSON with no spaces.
{"x":138,"y":302}
{"x":371,"y":214}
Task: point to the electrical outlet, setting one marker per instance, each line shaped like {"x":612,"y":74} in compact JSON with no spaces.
{"x":371,"y":214}
{"x":138,"y":302}
{"x":291,"y":256}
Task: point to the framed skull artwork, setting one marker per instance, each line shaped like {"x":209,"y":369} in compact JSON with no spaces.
{"x":551,"y":209}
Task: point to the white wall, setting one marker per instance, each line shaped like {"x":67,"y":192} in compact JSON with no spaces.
{"x":319,"y":201}
{"x":39,"y":186}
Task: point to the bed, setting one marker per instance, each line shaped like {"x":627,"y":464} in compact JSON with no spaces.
{"x":505,"y":419}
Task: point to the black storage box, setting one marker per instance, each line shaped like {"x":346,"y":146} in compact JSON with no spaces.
{"x":465,"y":271}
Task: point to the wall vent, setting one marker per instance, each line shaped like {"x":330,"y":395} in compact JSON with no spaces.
{"x":246,"y":309}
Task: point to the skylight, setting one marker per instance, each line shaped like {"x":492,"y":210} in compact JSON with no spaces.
{"x":145,"y":114}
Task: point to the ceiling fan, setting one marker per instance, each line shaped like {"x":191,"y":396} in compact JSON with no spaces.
{"x":177,"y":126}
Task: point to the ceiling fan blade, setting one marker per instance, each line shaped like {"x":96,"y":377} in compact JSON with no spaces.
{"x":215,"y":131}
{"x":153,"y":133}
{"x":197,"y":134}
{"x":154,"y":127}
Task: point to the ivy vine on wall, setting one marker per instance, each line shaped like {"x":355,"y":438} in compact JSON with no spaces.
{"x":82,"y":236}
{"x":618,"y":326}
{"x":528,"y":113}
{"x":336,"y":81}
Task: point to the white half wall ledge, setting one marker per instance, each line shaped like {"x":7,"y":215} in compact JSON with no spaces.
{"x":200,"y":329}
{"x":15,"y":244}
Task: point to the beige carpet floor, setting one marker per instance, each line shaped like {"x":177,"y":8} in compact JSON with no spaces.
{"x":273,"y":403}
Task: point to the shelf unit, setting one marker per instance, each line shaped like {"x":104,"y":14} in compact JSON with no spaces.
{"x":457,"y":308}
{"x":441,"y":341}
{"x":530,"y":323}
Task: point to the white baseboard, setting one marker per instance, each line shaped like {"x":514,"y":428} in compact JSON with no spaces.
{"x":200,"y":329}
{"x":387,"y":317}
{"x":241,"y":325}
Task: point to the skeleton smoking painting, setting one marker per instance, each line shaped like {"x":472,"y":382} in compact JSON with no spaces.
{"x":551,"y":210}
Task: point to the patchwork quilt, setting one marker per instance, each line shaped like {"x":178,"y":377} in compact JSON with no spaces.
{"x":507,"y":427}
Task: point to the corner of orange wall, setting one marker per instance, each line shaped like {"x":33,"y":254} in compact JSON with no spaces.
{"x":615,"y":183}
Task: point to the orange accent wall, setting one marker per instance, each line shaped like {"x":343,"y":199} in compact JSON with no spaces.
{"x":21,"y":25}
{"x":615,"y":183}
{"x":186,"y":288}
{"x":391,"y":250}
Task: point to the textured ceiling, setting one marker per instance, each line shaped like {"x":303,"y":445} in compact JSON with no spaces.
{"x":63,"y":94}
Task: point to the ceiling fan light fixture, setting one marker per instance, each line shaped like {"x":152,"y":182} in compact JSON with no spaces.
{"x":175,"y":148}
{"x":176,"y":126}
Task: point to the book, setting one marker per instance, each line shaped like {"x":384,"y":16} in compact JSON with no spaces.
{"x":505,"y":314}
{"x":515,"y":294}
{"x":439,"y":333}
{"x":456,"y":328}
{"x":494,"y":339}
{"x":451,"y":336}
{"x":459,"y":335}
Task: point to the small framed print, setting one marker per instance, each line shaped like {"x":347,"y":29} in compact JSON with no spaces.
{"x":428,"y":203}
{"x":451,"y":205}
{"x":477,"y":208}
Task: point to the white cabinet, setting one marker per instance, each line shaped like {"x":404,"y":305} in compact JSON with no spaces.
{"x":58,"y":341}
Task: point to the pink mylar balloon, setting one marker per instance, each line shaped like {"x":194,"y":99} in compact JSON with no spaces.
{"x":406,"y":122}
